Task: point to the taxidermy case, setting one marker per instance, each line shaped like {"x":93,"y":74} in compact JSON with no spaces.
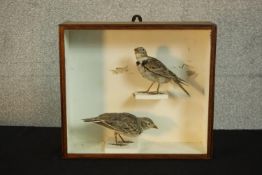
{"x":99,"y":74}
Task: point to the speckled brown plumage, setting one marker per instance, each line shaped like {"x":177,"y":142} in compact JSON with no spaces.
{"x":123,"y":123}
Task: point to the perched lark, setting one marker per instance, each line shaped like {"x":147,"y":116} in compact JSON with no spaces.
{"x":123,"y":123}
{"x":155,"y":71}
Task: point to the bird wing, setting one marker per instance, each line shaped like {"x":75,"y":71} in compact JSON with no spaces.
{"x":122,"y":122}
{"x":155,"y":66}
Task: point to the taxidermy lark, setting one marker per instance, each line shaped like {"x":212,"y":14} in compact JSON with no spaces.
{"x":123,"y":123}
{"x":155,"y":71}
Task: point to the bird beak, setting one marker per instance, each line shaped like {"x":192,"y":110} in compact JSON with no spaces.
{"x":155,"y":127}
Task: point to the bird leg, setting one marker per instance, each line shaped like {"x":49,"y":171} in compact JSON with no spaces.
{"x":119,"y":144}
{"x":124,"y":140}
{"x":157,"y":91}
{"x":116,"y":138}
{"x":149,"y":88}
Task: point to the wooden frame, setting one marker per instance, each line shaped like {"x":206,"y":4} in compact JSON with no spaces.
{"x":136,"y":26}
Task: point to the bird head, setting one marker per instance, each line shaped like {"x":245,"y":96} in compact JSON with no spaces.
{"x":140,"y":52}
{"x":147,"y":123}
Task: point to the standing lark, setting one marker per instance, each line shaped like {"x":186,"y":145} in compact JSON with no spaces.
{"x":123,"y":123}
{"x":155,"y":71}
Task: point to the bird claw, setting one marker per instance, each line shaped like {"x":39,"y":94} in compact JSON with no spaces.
{"x":122,"y":143}
{"x":119,"y":144}
{"x":144,"y":92}
{"x":150,"y":92}
{"x":128,"y":141}
{"x":155,"y":92}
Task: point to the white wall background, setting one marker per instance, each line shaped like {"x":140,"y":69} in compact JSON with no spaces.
{"x":29,"y":74}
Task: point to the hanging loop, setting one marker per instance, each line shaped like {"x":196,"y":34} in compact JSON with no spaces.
{"x":136,"y":17}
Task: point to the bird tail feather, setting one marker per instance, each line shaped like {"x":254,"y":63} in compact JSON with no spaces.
{"x":177,"y":79}
{"x":179,"y":82}
{"x":90,"y":120}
